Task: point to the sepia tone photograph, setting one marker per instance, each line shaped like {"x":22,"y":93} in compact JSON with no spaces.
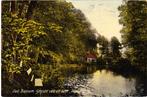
{"x":73,"y":48}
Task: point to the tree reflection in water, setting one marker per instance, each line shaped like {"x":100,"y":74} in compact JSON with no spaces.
{"x":91,"y":81}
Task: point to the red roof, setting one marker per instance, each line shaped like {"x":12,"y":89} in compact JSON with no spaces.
{"x":90,"y":56}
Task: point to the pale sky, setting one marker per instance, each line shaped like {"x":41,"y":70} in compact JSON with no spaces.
{"x":102,"y":14}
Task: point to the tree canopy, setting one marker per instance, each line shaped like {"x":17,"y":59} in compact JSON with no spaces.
{"x":133,"y":18}
{"x":42,"y":32}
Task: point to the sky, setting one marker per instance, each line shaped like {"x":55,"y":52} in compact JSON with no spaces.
{"x":102,"y":14}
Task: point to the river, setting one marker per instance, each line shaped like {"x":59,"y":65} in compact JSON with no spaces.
{"x":106,"y":83}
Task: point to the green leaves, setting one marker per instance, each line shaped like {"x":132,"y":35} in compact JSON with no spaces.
{"x":14,"y":68}
{"x":54,"y":27}
{"x":133,"y":18}
{"x":18,"y":37}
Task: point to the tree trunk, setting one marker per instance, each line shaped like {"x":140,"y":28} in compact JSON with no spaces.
{"x":13,"y":7}
{"x":30,"y":10}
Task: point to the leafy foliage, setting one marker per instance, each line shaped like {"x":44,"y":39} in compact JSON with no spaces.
{"x":36,"y":32}
{"x":17,"y":37}
{"x":133,"y":18}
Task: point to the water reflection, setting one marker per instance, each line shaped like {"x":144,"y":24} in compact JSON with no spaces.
{"x":93,"y":81}
{"x":103,"y":83}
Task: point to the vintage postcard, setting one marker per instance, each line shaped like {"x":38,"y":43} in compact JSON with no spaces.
{"x":74,"y":48}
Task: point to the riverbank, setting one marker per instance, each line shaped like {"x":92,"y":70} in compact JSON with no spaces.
{"x":125,"y":70}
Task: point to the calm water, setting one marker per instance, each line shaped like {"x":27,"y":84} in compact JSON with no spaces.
{"x":105,"y":83}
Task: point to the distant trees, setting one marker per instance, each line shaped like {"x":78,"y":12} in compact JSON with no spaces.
{"x":115,"y":47}
{"x":109,"y":51}
{"x":104,"y":45}
{"x":133,"y":17}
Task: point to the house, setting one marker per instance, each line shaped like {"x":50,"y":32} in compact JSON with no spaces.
{"x":91,"y":57}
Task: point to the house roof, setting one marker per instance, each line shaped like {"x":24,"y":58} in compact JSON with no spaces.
{"x":91,"y":55}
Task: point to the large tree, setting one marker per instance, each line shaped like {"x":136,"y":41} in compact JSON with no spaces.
{"x":133,"y":17}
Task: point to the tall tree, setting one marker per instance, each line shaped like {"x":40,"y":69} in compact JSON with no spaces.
{"x":115,"y":47}
{"x":133,"y":18}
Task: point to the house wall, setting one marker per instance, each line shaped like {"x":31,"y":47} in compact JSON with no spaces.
{"x":91,"y":60}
